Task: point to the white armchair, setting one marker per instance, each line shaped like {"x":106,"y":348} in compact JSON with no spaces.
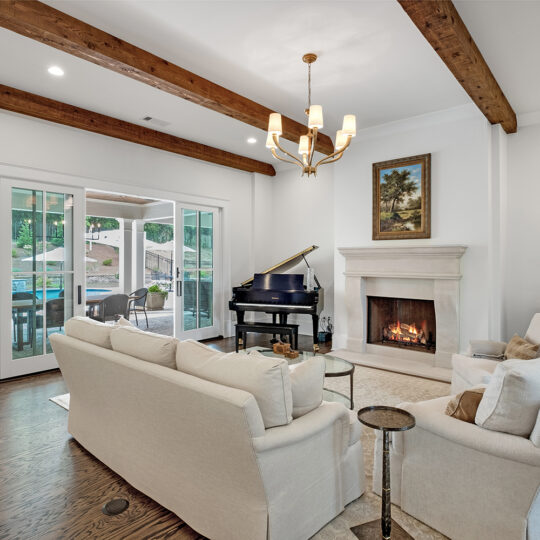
{"x":468,"y":371}
{"x":467,"y":482}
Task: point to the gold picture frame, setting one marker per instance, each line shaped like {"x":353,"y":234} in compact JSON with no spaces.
{"x":402,"y":198}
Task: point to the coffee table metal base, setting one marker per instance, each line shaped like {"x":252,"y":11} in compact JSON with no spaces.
{"x":372,"y":531}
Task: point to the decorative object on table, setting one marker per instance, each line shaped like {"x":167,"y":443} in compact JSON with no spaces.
{"x":291,"y":354}
{"x":281,"y":348}
{"x":386,"y":419}
{"x":308,"y":142}
{"x":156,"y":297}
{"x":326,"y":329}
{"x":402,"y":198}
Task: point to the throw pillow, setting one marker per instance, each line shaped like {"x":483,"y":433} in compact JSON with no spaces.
{"x":512,"y":398}
{"x":464,"y":405}
{"x":266,"y":378}
{"x":122,"y":321}
{"x":307,"y":380}
{"x":520,"y":348}
{"x":535,"y":435}
{"x":487,"y":349}
{"x":89,"y":330}
{"x":193,"y":352}
{"x":146,"y":346}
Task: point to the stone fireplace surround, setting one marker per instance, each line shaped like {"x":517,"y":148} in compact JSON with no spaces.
{"x":419,"y":272}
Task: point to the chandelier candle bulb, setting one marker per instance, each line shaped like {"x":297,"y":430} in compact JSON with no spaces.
{"x":303,"y":146}
{"x":349,"y":125}
{"x":270,"y":141}
{"x":341,"y":139}
{"x":315,"y":119}
{"x":274,"y":124}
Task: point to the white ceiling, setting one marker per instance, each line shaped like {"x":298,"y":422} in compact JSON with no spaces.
{"x":373,"y":62}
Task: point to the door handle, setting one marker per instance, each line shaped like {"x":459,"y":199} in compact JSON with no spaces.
{"x":178,"y":288}
{"x":79,"y":294}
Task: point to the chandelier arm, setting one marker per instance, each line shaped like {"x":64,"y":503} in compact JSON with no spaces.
{"x":275,"y":154}
{"x":340,"y":152}
{"x":276,"y":142}
{"x":313,"y":144}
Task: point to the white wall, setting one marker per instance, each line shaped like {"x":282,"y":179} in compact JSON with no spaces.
{"x":137,"y":169}
{"x":459,"y":142}
{"x":303,"y":215}
{"x":521,"y":261}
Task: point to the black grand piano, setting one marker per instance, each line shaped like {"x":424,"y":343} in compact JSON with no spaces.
{"x":280,"y":294}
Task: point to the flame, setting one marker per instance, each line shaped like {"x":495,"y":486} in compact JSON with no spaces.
{"x":408,"y":333}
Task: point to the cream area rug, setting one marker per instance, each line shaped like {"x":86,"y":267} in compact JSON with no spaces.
{"x":377,"y":387}
{"x":62,"y":400}
{"x":371,"y":387}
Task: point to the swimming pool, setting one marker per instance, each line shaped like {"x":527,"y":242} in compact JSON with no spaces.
{"x":53,"y":293}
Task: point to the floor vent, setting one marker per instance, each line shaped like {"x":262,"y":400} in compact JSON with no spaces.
{"x":115,"y":507}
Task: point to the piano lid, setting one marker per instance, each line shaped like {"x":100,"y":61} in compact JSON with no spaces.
{"x":285,"y":265}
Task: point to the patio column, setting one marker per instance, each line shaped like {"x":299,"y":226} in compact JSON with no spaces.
{"x":126,"y":256}
{"x":138,"y":255}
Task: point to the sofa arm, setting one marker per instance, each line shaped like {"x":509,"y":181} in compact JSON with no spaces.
{"x":431,"y":417}
{"x":304,"y":427}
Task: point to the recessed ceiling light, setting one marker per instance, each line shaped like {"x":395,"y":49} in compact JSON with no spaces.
{"x":252,"y":140}
{"x":56,"y":71}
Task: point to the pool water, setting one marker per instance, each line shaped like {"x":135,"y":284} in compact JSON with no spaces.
{"x":53,"y":293}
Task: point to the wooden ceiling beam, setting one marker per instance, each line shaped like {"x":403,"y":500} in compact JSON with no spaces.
{"x":47,"y":25}
{"x":441,"y":25}
{"x":18,"y":101}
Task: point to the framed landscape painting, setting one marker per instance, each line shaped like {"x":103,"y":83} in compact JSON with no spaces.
{"x":402,"y":198}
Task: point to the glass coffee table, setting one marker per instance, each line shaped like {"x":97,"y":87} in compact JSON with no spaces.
{"x":335,"y":367}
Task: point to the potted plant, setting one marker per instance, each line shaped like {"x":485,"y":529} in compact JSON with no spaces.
{"x":156,"y":297}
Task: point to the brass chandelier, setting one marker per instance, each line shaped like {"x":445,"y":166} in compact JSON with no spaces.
{"x":307,"y":143}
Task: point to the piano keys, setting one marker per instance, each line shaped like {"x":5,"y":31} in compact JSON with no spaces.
{"x":274,"y":292}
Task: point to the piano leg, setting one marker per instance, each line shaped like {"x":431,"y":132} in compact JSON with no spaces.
{"x":283,"y":320}
{"x":240,"y":320}
{"x":274,"y":320}
{"x":315,"y":333}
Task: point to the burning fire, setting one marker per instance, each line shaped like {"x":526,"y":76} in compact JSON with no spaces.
{"x":407,"y":333}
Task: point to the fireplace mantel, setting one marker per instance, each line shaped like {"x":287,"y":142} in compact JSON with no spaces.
{"x":424,"y":272}
{"x":412,"y":262}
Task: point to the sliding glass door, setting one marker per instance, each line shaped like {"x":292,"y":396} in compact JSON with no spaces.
{"x":198,"y":280}
{"x":43,"y":270}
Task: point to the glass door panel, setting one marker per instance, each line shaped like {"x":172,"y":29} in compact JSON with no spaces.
{"x":196,"y":289}
{"x":43,"y":273}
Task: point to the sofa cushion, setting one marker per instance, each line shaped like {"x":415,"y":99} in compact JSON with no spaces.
{"x":193,"y":351}
{"x":521,"y":348}
{"x":89,"y":330}
{"x":266,"y":378}
{"x":474,"y":371}
{"x":147,"y":346}
{"x":464,"y":405}
{"x":535,"y":435}
{"x":307,"y":381}
{"x":512,"y":398}
{"x":533,"y":332}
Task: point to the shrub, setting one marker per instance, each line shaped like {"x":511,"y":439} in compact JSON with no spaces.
{"x":157,"y":289}
{"x":57,"y":242}
{"x":107,"y":262}
{"x":13,"y":253}
{"x":24,"y":238}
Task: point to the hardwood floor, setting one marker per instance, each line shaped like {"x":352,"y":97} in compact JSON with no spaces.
{"x":51,"y":488}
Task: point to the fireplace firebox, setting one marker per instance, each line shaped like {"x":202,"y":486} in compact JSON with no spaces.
{"x":402,"y":322}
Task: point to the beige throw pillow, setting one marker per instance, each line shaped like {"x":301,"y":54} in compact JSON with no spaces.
{"x":146,"y":346}
{"x":307,"y":380}
{"x":89,"y":330}
{"x":464,"y":405}
{"x":512,"y":398}
{"x":521,"y":349}
{"x":266,"y":378}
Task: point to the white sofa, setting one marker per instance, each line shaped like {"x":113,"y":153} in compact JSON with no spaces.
{"x":468,"y":371}
{"x":201,"y":450}
{"x":467,"y":482}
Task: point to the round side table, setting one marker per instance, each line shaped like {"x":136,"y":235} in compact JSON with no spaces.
{"x":386,"y":419}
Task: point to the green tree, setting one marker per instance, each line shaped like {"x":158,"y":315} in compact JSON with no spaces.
{"x":25,"y":235}
{"x":396,"y":186}
{"x":159,"y":232}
